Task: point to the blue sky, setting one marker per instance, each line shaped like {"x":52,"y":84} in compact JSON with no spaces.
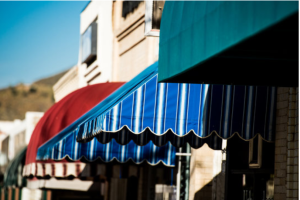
{"x":37,"y":39}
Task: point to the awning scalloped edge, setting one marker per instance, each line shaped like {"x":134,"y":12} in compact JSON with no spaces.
{"x":124,"y":135}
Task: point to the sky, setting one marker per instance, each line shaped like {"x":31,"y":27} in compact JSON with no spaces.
{"x":38,"y":39}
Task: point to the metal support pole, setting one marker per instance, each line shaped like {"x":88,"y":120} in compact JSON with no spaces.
{"x":182,"y":185}
{"x":178,"y":177}
{"x":187,"y":172}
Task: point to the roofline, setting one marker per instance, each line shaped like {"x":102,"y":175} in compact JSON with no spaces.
{"x":85,"y":6}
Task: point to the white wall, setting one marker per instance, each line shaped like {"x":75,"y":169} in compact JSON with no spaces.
{"x":29,"y":194}
{"x":32,"y":118}
{"x":19,"y":127}
{"x":5,"y":127}
{"x":102,"y":11}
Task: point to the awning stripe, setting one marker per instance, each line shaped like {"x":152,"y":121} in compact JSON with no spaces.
{"x":93,"y":150}
{"x":144,"y":110}
{"x":160,"y":108}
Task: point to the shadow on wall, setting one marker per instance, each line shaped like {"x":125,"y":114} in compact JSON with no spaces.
{"x":207,"y":175}
{"x":213,"y":190}
{"x":205,"y":192}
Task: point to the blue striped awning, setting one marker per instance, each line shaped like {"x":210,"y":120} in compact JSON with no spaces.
{"x":144,"y":110}
{"x":68,"y":148}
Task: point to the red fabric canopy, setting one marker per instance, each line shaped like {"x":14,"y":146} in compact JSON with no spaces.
{"x":66,"y":111}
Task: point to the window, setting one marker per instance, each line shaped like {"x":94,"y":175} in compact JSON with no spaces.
{"x":129,"y":6}
{"x":89,"y":44}
{"x":153,"y":15}
{"x":255,"y":152}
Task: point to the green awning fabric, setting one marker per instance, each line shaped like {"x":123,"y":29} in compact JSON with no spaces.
{"x":229,"y":42}
{"x":14,"y":170}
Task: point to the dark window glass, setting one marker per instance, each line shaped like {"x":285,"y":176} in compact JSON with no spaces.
{"x":129,"y":6}
{"x":157,"y":12}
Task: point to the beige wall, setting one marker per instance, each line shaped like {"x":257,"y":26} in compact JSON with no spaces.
{"x":66,"y":84}
{"x":132,"y":51}
{"x":207,"y":179}
{"x":286,"y":145}
{"x":122,"y":49}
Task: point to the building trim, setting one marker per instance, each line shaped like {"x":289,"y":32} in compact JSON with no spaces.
{"x":89,"y":72}
{"x":66,"y":78}
{"x":95,"y":76}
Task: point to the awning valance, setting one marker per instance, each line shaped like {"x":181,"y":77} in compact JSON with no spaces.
{"x":229,"y":42}
{"x":62,"y":169}
{"x":69,"y":149}
{"x":144,"y":110}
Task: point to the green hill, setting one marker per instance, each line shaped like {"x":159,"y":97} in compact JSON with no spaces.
{"x":15,"y":101}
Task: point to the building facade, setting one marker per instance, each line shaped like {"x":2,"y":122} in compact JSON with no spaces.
{"x":20,"y":134}
{"x":66,"y":84}
{"x":13,"y":147}
{"x":132,"y":50}
{"x":114,"y":48}
{"x":95,"y":52}
{"x":287,"y":144}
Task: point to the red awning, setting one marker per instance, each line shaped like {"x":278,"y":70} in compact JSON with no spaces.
{"x":58,"y":117}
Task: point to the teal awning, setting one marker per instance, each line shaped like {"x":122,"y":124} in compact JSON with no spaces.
{"x":229,"y":42}
{"x":13,"y":173}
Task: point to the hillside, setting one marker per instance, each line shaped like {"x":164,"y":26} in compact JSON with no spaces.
{"x":16,"y":100}
{"x":50,"y":81}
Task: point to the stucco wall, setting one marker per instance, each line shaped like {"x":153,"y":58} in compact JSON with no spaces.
{"x":207,"y":179}
{"x":132,"y":51}
{"x":66,"y":84}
